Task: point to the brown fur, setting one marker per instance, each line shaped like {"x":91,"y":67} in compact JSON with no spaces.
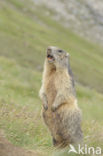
{"x":60,"y":112}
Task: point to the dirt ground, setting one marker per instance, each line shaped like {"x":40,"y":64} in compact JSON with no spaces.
{"x":7,"y":149}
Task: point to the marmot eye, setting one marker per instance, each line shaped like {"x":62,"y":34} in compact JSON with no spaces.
{"x":60,"y":51}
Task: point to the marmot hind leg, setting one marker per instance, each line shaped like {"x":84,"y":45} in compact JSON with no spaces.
{"x":60,"y":144}
{"x":69,"y":128}
{"x":58,"y":141}
{"x":72,"y":127}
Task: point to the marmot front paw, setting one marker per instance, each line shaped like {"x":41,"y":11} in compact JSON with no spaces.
{"x":53,"y":108}
{"x":45,"y":107}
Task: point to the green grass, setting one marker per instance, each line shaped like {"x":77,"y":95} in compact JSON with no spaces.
{"x":25,"y":33}
{"x":30,"y":31}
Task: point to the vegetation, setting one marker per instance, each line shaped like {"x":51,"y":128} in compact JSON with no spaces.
{"x":25,"y":32}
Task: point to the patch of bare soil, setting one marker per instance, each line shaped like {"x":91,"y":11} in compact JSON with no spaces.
{"x":7,"y":149}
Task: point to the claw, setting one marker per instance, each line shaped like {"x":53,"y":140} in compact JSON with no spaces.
{"x":46,"y":107}
{"x":53,"y":108}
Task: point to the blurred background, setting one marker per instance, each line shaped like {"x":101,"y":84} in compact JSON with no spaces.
{"x":27,"y":28}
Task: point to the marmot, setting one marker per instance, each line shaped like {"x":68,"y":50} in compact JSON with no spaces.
{"x":60,"y":110}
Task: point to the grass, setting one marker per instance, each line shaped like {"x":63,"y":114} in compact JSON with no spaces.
{"x":25,"y":33}
{"x":32,"y":31}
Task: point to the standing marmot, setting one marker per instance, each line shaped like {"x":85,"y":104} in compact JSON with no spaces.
{"x":60,"y":110}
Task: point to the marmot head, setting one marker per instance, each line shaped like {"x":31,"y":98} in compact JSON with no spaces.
{"x":57,"y":57}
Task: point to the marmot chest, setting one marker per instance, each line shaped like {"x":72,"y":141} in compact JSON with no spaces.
{"x":51,"y":89}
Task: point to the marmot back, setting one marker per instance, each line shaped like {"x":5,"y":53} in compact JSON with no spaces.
{"x":60,"y":110}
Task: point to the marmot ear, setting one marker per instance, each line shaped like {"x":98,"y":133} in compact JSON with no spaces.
{"x":67,"y":55}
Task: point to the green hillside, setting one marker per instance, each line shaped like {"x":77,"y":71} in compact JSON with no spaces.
{"x":25,"y":32}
